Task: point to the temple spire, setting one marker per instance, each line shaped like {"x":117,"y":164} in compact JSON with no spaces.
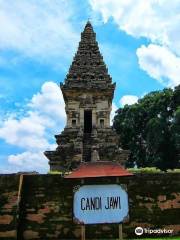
{"x":88,"y":66}
{"x":88,"y":29}
{"x":88,"y":35}
{"x":88,"y":25}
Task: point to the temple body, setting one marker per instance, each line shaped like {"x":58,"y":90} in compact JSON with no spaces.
{"x":88,"y":92}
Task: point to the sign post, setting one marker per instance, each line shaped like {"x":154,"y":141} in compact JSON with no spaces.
{"x":120,"y":232}
{"x":83,"y":234}
{"x":97,"y":204}
{"x":103,"y":203}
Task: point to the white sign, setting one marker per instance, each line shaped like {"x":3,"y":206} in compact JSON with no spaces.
{"x":100,"y":204}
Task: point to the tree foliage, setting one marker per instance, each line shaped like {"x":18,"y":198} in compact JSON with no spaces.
{"x":150,"y":129}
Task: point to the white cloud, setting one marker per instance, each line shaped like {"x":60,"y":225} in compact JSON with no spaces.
{"x":27,"y":132}
{"x":29,"y":161}
{"x":160,"y":63}
{"x":51,"y":99}
{"x":128,"y":99}
{"x":156,"y":20}
{"x":33,"y":133}
{"x":40,"y":29}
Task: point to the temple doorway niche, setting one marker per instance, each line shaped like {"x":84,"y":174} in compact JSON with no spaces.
{"x":87,"y":121}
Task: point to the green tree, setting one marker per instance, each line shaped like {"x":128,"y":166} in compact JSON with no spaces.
{"x":150,"y":129}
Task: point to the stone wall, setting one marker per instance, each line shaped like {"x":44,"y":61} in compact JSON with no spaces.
{"x":46,"y":206}
{"x":9,"y":185}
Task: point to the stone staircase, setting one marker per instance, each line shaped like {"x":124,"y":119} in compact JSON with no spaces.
{"x":87,"y":147}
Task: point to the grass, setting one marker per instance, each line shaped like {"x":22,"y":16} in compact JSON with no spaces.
{"x":165,"y":238}
{"x":55,"y":172}
{"x":152,"y":170}
{"x":59,"y":172}
{"x":133,"y":170}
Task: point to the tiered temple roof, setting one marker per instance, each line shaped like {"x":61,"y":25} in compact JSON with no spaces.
{"x":88,"y":69}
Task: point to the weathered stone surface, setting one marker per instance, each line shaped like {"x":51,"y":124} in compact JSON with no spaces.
{"x":39,"y":218}
{"x":8,"y":234}
{"x":163,"y":203}
{"x":29,"y":234}
{"x":8,"y":206}
{"x":153,"y":204}
{"x":88,"y":92}
{"x":6,"y":219}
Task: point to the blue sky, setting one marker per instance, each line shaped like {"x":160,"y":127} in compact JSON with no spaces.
{"x":139,"y":41}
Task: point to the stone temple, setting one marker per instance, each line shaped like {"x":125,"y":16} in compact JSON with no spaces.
{"x":88,"y":92}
